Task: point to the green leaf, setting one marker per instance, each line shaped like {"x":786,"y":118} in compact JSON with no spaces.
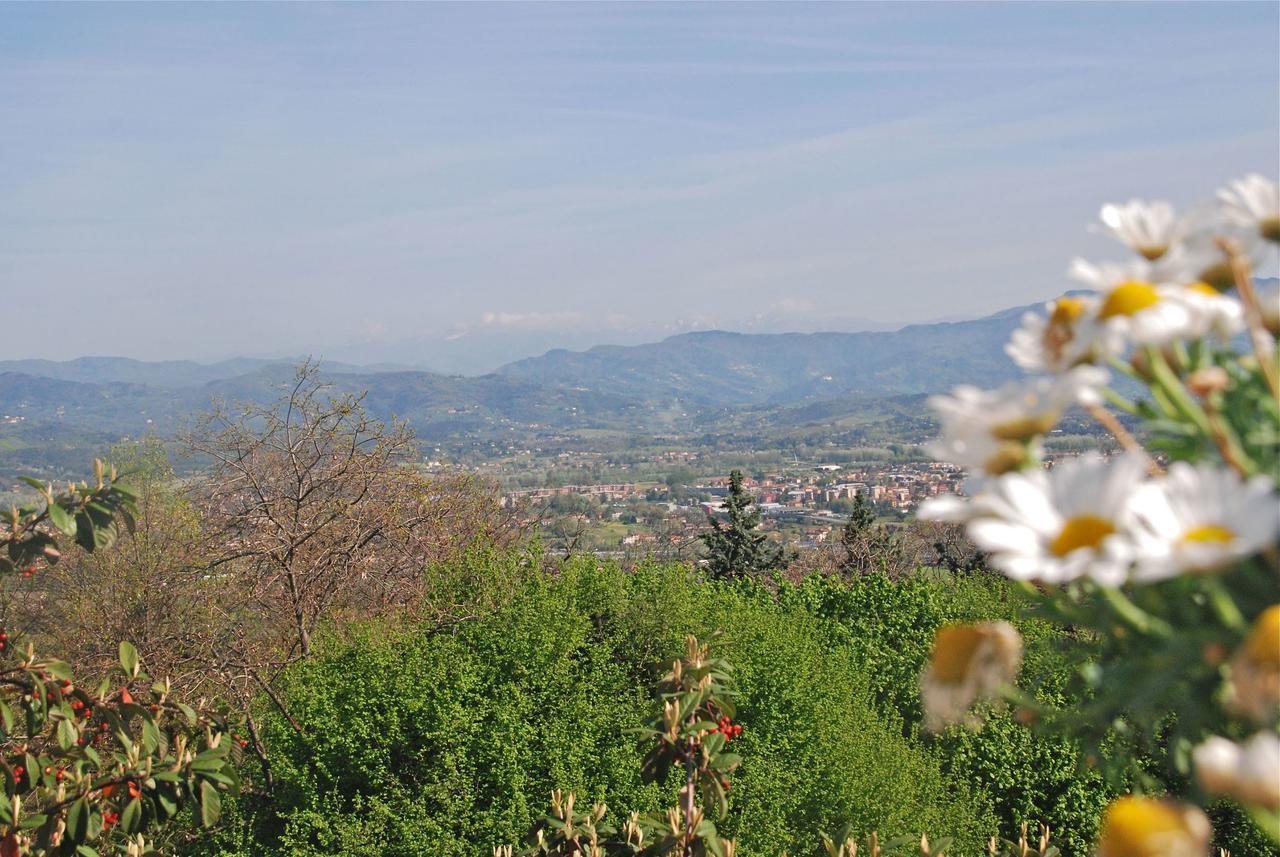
{"x":66,"y":735}
{"x":131,"y":817}
{"x":58,"y":669}
{"x":84,"y":531}
{"x":168,"y":806}
{"x":63,"y":519}
{"x":210,"y":804}
{"x":128,"y":658}
{"x":86,"y":851}
{"x":78,"y":820}
{"x":150,"y":735}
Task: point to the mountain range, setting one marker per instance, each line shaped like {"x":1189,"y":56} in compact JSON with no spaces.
{"x":690,"y":383}
{"x":661,"y":381}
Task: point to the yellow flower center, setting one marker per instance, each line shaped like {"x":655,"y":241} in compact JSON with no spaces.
{"x":953,"y":649}
{"x":1066,"y":311}
{"x":1204,"y":289}
{"x":1024,"y":428}
{"x":1209,"y":534}
{"x":1263,"y":644}
{"x":1129,"y":299}
{"x":1270,"y":229}
{"x":1007,"y":458}
{"x":1082,"y":531}
{"x":1143,"y":827}
{"x":1153,"y":251}
{"x":1219,"y":277}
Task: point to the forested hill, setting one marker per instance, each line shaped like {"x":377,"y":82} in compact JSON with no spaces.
{"x":721,"y":368}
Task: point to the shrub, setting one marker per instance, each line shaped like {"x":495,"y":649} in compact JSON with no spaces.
{"x":419,"y":742}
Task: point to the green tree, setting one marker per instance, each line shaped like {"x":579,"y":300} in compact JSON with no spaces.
{"x":869,"y":546}
{"x":735,"y":549}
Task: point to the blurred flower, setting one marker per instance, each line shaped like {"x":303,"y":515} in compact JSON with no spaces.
{"x":1072,"y":522}
{"x":1146,"y":827}
{"x":1269,"y":306}
{"x":1138,"y":308}
{"x":1255,"y":669}
{"x":1148,"y":228}
{"x":1253,"y":202}
{"x":1201,"y":518}
{"x":1198,"y":260}
{"x":997,"y":431}
{"x":969,"y":662}
{"x":1051,"y":343}
{"x":1250,"y":773}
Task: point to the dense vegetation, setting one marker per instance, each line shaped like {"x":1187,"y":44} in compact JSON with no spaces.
{"x":452,"y":739}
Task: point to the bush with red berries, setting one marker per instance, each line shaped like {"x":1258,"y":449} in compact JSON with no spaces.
{"x":93,"y":770}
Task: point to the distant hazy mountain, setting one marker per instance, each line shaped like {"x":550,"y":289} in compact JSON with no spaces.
{"x":669,"y":385}
{"x":162,"y":373}
{"x":721,"y":368}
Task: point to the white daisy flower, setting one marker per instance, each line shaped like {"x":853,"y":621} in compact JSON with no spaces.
{"x":1135,"y":307}
{"x":1148,"y":228}
{"x":1068,"y":523}
{"x":1200,"y":519}
{"x":1197,"y":261}
{"x":1135,"y":826}
{"x":1253,"y":202}
{"x":1248,"y":772}
{"x":1255,"y":670}
{"x":1050,"y":343}
{"x":996,"y":431}
{"x":968,"y":663}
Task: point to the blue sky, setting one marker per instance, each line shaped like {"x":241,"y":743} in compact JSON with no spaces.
{"x":457,"y":185}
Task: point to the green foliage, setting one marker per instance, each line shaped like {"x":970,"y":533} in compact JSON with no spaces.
{"x":424,"y":742}
{"x":890,"y":625}
{"x":735,"y":549}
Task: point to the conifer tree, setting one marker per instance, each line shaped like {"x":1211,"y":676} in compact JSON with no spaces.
{"x":734,"y":548}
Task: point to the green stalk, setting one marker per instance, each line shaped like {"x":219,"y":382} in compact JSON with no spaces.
{"x":1133,"y":615}
{"x":1172,"y":386}
{"x":1224,"y":605}
{"x":1119,"y":401}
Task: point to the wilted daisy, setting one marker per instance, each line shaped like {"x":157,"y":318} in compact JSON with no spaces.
{"x":1148,"y":228}
{"x":1255,"y":669}
{"x":1051,"y":342}
{"x":1197,"y":260}
{"x":968,"y":663}
{"x":1248,"y":772}
{"x":1071,"y":522}
{"x":1146,"y":827}
{"x":997,"y":431}
{"x":1202,"y":518}
{"x":1269,"y":307}
{"x":1253,"y":202}
{"x":1135,"y":307}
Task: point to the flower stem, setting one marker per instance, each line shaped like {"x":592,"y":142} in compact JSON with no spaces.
{"x":1127,"y":441}
{"x":1178,"y":396}
{"x":1118,"y":401}
{"x":1224,"y":605}
{"x":1253,"y":315}
{"x":1133,"y":615}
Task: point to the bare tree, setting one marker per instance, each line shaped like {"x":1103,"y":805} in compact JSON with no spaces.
{"x":309,"y":511}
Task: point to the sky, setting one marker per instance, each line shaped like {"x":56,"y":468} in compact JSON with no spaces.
{"x":455,"y":186}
